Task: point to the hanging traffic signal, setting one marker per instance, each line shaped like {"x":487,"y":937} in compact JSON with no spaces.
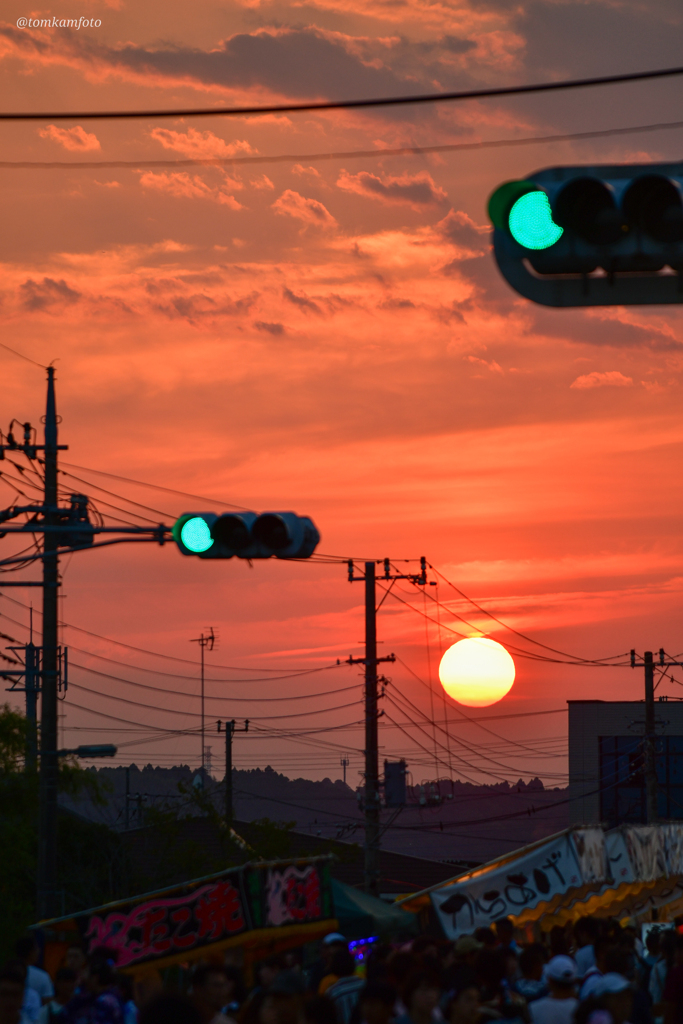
{"x":246,"y":535}
{"x":592,"y":236}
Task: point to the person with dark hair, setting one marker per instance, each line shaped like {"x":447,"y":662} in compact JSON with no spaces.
{"x":586,"y":931}
{"x":12,"y":982}
{"x":461,"y":1005}
{"x":662,"y":969}
{"x":65,"y":986}
{"x":505,"y":935}
{"x":237,"y":990}
{"x":210,"y":993}
{"x":170,"y":1008}
{"x":28,"y":952}
{"x":319,"y":1010}
{"x":496,"y":994}
{"x":280,"y":1007}
{"x":99,"y":1001}
{"x":376,"y":1003}
{"x":532,"y":985}
{"x":345,"y":991}
{"x":602,"y":946}
{"x":487,"y":937}
{"x":420,"y":995}
{"x":673,"y":989}
{"x":557,"y":941}
{"x":31,"y":1003}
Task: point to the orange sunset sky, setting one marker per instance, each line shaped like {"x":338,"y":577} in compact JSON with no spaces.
{"x":333,"y":337}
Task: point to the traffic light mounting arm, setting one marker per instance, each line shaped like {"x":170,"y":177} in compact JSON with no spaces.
{"x":592,"y":236}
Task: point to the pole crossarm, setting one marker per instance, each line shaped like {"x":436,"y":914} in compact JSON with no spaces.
{"x":662,"y":663}
{"x":369,"y":661}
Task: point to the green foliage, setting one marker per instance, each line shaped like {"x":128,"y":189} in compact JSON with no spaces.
{"x":12,"y":739}
{"x":91,"y":859}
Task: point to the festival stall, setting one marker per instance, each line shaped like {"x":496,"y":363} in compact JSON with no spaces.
{"x":264,"y":907}
{"x":629,"y":873}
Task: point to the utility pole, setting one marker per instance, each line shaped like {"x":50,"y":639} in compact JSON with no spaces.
{"x":204,"y":640}
{"x":229,"y":730}
{"x":49,"y":763}
{"x":371,"y":661}
{"x":650,"y":735}
{"x":345,"y":762}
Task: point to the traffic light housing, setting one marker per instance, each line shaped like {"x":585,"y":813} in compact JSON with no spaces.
{"x":609,"y":235}
{"x":245,"y":535}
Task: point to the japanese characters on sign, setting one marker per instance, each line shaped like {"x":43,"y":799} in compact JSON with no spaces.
{"x":292,"y":895}
{"x":168,"y":924}
{"x":508,"y":890}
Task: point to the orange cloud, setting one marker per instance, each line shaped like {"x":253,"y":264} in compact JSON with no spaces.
{"x":193,"y":143}
{"x":185,"y":186}
{"x":75,"y":139}
{"x":416,"y":190}
{"x":311,"y":212}
{"x":612,"y":378}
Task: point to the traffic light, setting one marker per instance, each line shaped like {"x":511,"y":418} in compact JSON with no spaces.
{"x":246,"y":535}
{"x":608,"y":235}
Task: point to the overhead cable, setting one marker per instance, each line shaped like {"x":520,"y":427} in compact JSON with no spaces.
{"x":386,"y":101}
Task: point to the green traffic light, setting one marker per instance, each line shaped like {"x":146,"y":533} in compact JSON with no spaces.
{"x":196,"y":535}
{"x":531,"y":223}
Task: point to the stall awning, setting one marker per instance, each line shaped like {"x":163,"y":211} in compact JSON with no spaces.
{"x":577,"y":871}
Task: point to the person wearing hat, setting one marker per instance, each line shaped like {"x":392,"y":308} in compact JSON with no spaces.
{"x":614,"y":992}
{"x":331,"y":944}
{"x":465,"y":951}
{"x":559,"y":1006}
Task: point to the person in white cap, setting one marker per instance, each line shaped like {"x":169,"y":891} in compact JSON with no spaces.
{"x":331,"y":944}
{"x":615,"y":993}
{"x":559,"y":1006}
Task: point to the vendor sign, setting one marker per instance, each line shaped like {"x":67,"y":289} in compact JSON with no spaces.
{"x":553,"y":868}
{"x":219,"y":910}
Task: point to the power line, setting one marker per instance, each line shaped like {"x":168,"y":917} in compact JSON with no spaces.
{"x":170,"y":657}
{"x":155,"y":487}
{"x":347,"y":154}
{"x":586,"y":661}
{"x":387,"y":101}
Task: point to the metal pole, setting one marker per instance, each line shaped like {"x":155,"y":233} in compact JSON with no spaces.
{"x":126,"y":814}
{"x":31,"y":685}
{"x":201,"y":644}
{"x":229,"y":729}
{"x":649,"y":741}
{"x":49,"y":765}
{"x":371,"y":751}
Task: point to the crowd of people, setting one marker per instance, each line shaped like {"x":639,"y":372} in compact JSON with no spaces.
{"x":591,"y":972}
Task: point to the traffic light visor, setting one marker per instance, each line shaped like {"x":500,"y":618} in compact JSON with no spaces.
{"x":195,"y":534}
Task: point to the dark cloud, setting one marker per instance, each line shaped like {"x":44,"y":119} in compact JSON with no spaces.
{"x":298,"y":62}
{"x":198,"y":307}
{"x":457,"y":227}
{"x":302,"y":301}
{"x":46,"y":293}
{"x":415,"y":190}
{"x":569,"y":38}
{"x":269,"y":328}
{"x":581,"y":328}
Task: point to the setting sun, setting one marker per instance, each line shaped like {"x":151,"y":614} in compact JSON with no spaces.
{"x":477,"y":672}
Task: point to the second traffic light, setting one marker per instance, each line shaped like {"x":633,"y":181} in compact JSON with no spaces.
{"x":592,"y":236}
{"x":246,"y":535}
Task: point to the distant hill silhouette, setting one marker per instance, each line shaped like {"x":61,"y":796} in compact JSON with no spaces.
{"x":456,"y":821}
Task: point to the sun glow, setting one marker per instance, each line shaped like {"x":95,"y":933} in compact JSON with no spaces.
{"x":477,"y":672}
